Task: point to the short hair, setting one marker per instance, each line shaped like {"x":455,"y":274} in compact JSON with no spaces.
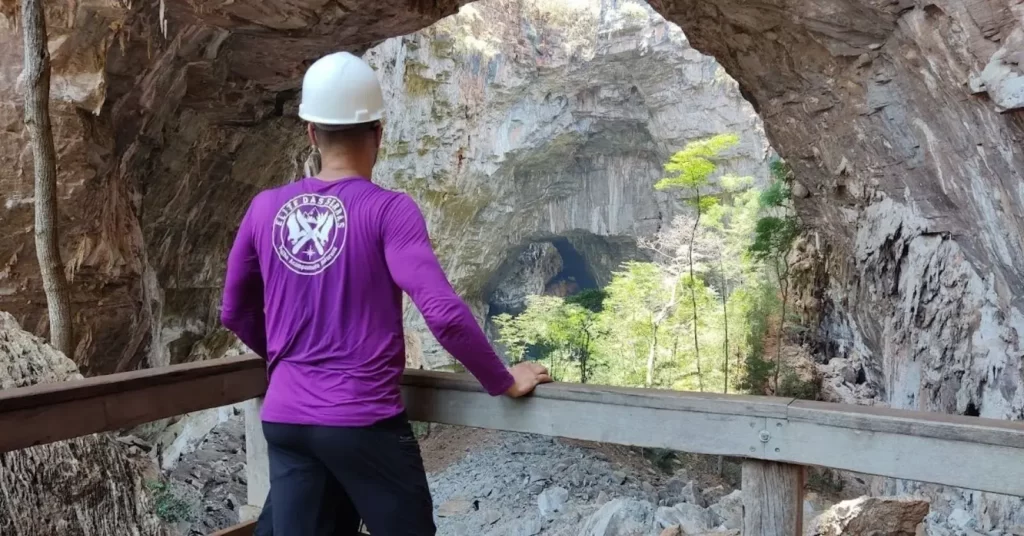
{"x":339,"y":135}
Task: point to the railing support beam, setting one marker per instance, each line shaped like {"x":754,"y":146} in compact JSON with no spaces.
{"x":257,"y":462}
{"x":773,"y":496}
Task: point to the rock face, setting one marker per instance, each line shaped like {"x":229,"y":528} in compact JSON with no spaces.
{"x":876,"y":515}
{"x":510,"y":125}
{"x":163,"y":118}
{"x":85,"y":486}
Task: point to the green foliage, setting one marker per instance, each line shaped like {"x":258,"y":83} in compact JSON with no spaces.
{"x":792,"y":385}
{"x":700,"y":315}
{"x":634,"y":12}
{"x":774,"y":235}
{"x":563,"y":331}
{"x":421,"y":430}
{"x":590,"y":299}
{"x":758,"y":374}
{"x":693,"y":166}
{"x":168,"y":506}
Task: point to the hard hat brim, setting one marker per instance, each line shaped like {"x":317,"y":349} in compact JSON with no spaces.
{"x":333,"y":122}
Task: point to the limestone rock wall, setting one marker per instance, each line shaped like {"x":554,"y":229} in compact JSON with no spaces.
{"x":87,"y":486}
{"x":167,"y":122}
{"x":521,"y":120}
{"x":914,"y":183}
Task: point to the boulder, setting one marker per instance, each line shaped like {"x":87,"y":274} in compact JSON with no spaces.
{"x":692,"y":519}
{"x":455,"y":507}
{"x":552,"y":501}
{"x":713,"y":494}
{"x":620,"y":517}
{"x":728,"y":511}
{"x":677,"y":490}
{"x":869,"y":516}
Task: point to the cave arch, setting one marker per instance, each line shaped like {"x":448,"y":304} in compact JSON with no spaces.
{"x":908,"y":109}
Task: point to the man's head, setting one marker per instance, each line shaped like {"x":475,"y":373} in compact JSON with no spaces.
{"x":343,"y":104}
{"x":354,"y":141}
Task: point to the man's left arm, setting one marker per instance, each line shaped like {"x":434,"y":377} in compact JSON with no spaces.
{"x":242,"y":306}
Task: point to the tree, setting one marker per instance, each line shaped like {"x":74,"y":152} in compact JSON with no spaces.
{"x":641,"y":298}
{"x":581,"y":318}
{"x":773,"y":238}
{"x":692,"y":168}
{"x":565,"y":331}
{"x":728,"y":223}
{"x":37,"y":122}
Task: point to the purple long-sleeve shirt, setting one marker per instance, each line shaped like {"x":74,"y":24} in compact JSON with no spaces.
{"x":314,"y":284}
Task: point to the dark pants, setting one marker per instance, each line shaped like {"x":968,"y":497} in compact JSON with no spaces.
{"x":324,"y":479}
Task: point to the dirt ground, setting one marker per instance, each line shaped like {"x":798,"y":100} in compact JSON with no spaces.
{"x":444,"y":445}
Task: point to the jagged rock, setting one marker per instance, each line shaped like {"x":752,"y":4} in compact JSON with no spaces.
{"x":620,"y":517}
{"x":677,"y":490}
{"x":674,"y":530}
{"x":528,"y":526}
{"x":713,"y":494}
{"x":728,"y":511}
{"x":455,"y":507}
{"x":691,"y":518}
{"x":552,"y":501}
{"x":868,"y":516}
{"x":85,"y":486}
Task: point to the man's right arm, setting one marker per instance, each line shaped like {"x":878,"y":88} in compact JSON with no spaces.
{"x":415,"y":269}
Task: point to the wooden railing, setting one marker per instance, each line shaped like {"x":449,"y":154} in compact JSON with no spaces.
{"x":776,"y":437}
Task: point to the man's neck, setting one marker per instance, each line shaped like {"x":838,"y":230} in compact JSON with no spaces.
{"x":337,"y":174}
{"x":344,"y":169}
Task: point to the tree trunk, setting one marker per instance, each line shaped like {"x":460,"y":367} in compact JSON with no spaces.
{"x":675,"y":344}
{"x":725,"y":316}
{"x":651,"y":356}
{"x":585,"y":358}
{"x":784,"y":289}
{"x":693,"y":297}
{"x":37,"y":122}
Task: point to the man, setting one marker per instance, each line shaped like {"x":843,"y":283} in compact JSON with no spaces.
{"x":314,"y":284}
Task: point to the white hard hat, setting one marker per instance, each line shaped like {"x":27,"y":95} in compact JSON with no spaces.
{"x":341,"y":89}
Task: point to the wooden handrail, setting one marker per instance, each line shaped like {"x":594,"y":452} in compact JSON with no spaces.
{"x":967,"y":452}
{"x":51,"y":412}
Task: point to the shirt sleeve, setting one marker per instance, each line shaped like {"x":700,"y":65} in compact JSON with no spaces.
{"x":242,"y":305}
{"x":415,"y":269}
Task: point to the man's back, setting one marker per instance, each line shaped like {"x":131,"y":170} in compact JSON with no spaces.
{"x":333,"y":258}
{"x":314,"y":285}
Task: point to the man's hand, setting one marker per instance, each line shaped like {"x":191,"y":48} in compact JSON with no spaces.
{"x":527,"y":375}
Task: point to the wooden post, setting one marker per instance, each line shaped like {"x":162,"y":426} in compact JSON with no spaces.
{"x":257,"y":462}
{"x":773,"y":496}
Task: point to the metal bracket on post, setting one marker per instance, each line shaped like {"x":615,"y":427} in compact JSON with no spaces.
{"x":758,"y":426}
{"x":774,"y":437}
{"x":772,"y":490}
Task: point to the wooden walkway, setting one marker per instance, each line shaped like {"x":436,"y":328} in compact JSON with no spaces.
{"x":777,"y":437}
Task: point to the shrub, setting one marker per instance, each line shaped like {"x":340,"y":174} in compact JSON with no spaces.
{"x":168,"y":506}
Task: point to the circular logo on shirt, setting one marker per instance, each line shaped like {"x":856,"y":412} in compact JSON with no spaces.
{"x":309,"y":232}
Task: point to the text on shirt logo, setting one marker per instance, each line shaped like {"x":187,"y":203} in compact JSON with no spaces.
{"x":309,"y":232}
